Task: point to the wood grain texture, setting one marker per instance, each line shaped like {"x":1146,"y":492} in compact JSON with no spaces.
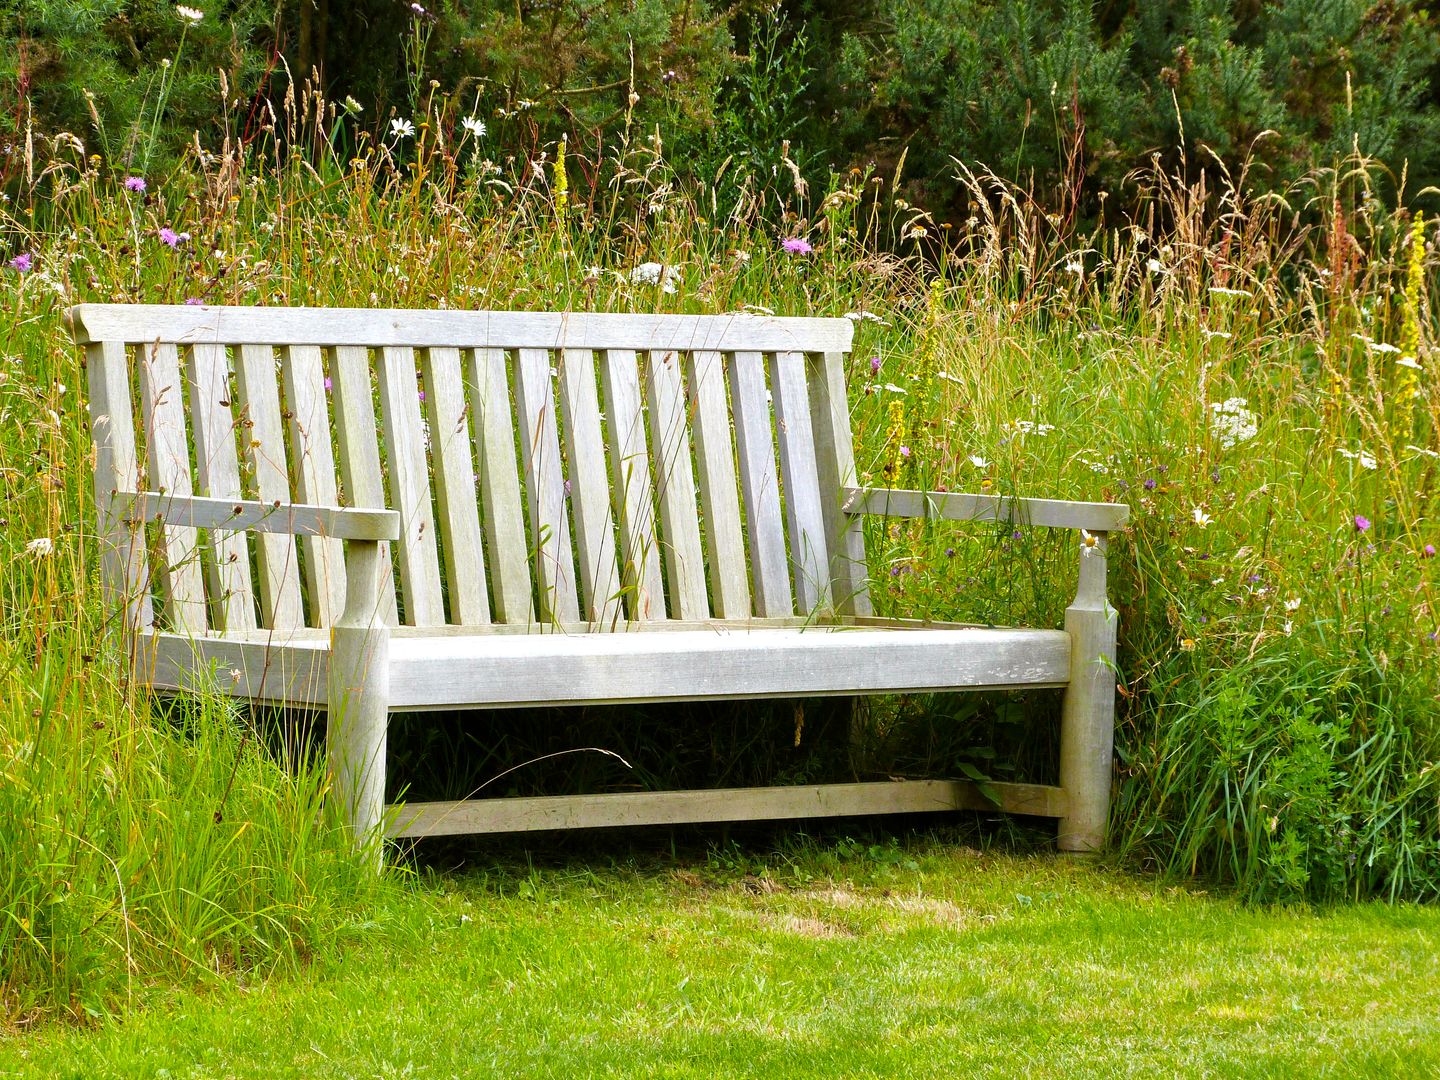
{"x":498,"y":670}
{"x":409,"y":474}
{"x":809,"y":551}
{"x":455,"y":490}
{"x":167,"y":454}
{"x":124,"y":570}
{"x":683,"y":556}
{"x":262,"y":443}
{"x":217,"y":467}
{"x":955,"y":506}
{"x":759,"y":484}
{"x":719,"y":493}
{"x":313,"y":465}
{"x":503,"y":513}
{"x":835,"y":471}
{"x":590,"y":488}
{"x":635,"y":498}
{"x":725,"y":804}
{"x":276,"y":671}
{"x":358,"y":447}
{"x":545,"y":487}
{"x":249,"y":515}
{"x":456,"y":329}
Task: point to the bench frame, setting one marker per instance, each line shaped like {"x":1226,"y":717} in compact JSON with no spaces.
{"x":356,"y":653}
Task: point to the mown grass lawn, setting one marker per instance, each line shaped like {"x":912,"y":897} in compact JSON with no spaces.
{"x":847,"y":960}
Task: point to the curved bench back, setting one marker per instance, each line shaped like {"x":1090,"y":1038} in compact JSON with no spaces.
{"x":592,"y":470}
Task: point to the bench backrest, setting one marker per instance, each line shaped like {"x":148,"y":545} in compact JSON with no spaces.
{"x":581,"y":469}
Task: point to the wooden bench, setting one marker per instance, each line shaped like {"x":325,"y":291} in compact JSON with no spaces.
{"x":372,"y":511}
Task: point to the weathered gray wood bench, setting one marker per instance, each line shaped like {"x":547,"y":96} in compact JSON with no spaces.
{"x":491,"y":536}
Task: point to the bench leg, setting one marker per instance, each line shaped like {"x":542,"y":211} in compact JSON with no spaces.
{"x":359,"y":703}
{"x":1087,"y":719}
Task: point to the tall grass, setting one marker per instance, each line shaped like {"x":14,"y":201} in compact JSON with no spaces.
{"x":1226,"y":365}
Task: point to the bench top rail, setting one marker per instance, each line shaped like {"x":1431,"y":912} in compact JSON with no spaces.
{"x":556,"y":468}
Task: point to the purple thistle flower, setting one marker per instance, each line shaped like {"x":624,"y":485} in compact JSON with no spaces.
{"x":1150,"y":484}
{"x":904,"y":451}
{"x":1428,"y":552}
{"x":22,"y":263}
{"x":949,"y":553}
{"x":875,"y":365}
{"x":328,"y":384}
{"x":796,"y":246}
{"x":134,"y":183}
{"x":194,"y":301}
{"x":169,"y":236}
{"x":1362,"y":523}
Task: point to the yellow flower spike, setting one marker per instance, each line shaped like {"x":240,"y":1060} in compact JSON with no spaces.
{"x":1407,"y":384}
{"x":560,"y":185}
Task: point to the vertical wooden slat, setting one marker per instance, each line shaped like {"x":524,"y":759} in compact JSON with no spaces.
{"x":545,"y":487}
{"x":809,"y":553}
{"x":675,"y":477}
{"x":359,"y":450}
{"x":630,"y":467}
{"x":218,"y":467}
{"x":759,"y":485}
{"x":500,"y":485}
{"x":835,"y":469}
{"x":262,"y":439}
{"x":314,"y":464}
{"x":167,"y":452}
{"x":590,"y":488}
{"x":124,"y":575}
{"x":719,"y":496}
{"x":455,"y":486}
{"x":410,"y":487}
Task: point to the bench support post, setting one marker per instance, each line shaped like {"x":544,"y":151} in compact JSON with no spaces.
{"x":1087,"y":724}
{"x":359,"y":691}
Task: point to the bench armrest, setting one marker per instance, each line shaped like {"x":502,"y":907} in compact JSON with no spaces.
{"x":955,"y":506}
{"x":244,"y":515}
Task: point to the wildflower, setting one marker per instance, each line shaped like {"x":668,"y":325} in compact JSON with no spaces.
{"x":1155,"y":266}
{"x":134,"y":183}
{"x":1428,"y":551}
{"x":474,"y":125}
{"x":979,"y":462}
{"x":890,"y":387}
{"x":189,"y":14}
{"x":917,"y":232}
{"x":1232,"y":422}
{"x":1187,"y":644}
{"x":1362,"y":523}
{"x":894,"y":434}
{"x":654,"y":273}
{"x":875,"y":365}
{"x":1089,"y":542}
{"x":417,"y":9}
{"x":1365,"y":459}
{"x":796,"y":246}
{"x":194,"y":301}
{"x":904,"y":451}
{"x":328,"y":384}
{"x":1076,"y":267}
{"x":1223,"y":335}
{"x":22,"y":263}
{"x":560,"y":184}
{"x":1293,"y":604}
{"x":173,"y":239}
{"x":1201,"y":517}
{"x":402,"y":128}
{"x":353,"y":106}
{"x":40,"y":547}
{"x":1150,"y":484}
{"x":1220,"y":290}
{"x":865,"y":316}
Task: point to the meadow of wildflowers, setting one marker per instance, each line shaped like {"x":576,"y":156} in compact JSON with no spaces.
{"x":1253,"y":377}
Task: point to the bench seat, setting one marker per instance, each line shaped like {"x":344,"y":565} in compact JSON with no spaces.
{"x":480,"y":670}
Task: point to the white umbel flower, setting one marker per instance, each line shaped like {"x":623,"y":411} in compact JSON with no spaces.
{"x":189,"y":14}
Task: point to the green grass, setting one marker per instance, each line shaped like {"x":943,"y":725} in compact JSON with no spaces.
{"x":846,"y":960}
